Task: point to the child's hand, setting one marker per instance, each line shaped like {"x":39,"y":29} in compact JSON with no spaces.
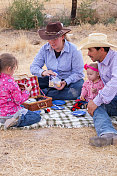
{"x":94,"y":90}
{"x":21,"y":86}
{"x":28,"y":88}
{"x":82,"y":98}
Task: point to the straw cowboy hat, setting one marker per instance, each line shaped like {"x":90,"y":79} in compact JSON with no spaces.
{"x":95,"y":40}
{"x":53,"y":31}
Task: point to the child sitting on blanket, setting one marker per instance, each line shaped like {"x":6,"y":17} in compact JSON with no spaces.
{"x":92,"y":86}
{"x":11,"y":97}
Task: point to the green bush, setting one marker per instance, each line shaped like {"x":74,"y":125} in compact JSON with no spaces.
{"x":25,"y":14}
{"x":111,"y":20}
{"x":85,"y":13}
{"x":65,"y":19}
{"x":62,"y":17}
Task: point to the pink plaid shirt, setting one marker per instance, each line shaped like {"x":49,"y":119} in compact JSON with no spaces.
{"x":87,"y":89}
{"x":11,"y":97}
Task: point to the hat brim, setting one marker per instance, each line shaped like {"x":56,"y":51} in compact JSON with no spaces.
{"x":43,"y":35}
{"x":84,"y":44}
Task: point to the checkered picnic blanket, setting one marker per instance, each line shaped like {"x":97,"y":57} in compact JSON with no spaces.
{"x":65,"y":119}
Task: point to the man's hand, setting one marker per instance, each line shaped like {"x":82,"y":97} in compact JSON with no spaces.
{"x":63,"y":84}
{"x":91,"y":107}
{"x":48,"y":73}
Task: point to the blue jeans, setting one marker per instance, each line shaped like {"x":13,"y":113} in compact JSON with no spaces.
{"x":102,"y":121}
{"x":70,"y":92}
{"x":28,"y":119}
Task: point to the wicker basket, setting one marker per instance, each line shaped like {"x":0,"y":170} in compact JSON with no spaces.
{"x":47,"y":102}
{"x":42,"y":102}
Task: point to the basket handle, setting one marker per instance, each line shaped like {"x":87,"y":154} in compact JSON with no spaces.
{"x":44,"y":105}
{"x":20,"y":77}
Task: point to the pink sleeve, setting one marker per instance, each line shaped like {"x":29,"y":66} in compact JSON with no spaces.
{"x":84,"y":91}
{"x":18,"y":96}
{"x":100,"y":85}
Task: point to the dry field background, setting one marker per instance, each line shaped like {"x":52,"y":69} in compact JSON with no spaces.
{"x":52,"y":151}
{"x":104,"y":8}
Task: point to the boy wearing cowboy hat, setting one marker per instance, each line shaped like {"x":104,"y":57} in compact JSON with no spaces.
{"x":105,"y":103}
{"x":62,"y":57}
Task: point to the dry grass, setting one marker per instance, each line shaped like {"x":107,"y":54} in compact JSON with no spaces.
{"x":52,"y":151}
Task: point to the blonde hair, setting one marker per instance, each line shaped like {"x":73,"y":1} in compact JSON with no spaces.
{"x":95,"y":65}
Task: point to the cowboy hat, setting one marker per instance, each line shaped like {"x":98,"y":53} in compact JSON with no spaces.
{"x":95,"y":40}
{"x":53,"y":31}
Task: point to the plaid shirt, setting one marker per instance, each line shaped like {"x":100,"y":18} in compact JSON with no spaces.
{"x":108,"y":73}
{"x":88,"y":85}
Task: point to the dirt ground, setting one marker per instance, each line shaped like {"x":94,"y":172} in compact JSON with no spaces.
{"x":52,"y":151}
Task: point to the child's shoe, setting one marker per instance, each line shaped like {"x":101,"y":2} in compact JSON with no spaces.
{"x":11,"y":122}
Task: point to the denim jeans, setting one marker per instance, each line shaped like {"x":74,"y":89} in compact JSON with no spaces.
{"x":70,"y":92}
{"x":28,"y":119}
{"x":102,"y":121}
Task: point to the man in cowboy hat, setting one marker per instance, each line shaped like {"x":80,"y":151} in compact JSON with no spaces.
{"x":105,"y":103}
{"x":62,"y":57}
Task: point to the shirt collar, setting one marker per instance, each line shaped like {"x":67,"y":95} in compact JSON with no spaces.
{"x":107,"y":58}
{"x":4,"y":75}
{"x":65,"y":49}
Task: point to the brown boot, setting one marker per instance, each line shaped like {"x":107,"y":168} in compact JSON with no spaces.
{"x":115,"y":140}
{"x":99,"y":141}
{"x":104,"y":140}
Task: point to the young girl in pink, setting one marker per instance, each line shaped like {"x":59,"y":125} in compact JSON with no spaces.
{"x":11,"y":97}
{"x":92,"y":86}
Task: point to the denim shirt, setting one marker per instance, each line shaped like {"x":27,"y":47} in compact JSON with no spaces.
{"x":108,"y":73}
{"x":69,"y":65}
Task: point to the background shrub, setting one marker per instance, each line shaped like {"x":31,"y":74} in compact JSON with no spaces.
{"x":28,"y":14}
{"x":85,"y":13}
{"x":25,"y":14}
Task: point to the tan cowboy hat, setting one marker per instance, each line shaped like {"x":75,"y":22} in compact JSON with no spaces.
{"x":95,"y":40}
{"x":53,"y":31}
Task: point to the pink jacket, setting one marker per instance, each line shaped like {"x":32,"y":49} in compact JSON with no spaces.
{"x":87,"y":89}
{"x":11,"y":97}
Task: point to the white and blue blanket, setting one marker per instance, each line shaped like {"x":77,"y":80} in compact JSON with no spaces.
{"x":64,"y":118}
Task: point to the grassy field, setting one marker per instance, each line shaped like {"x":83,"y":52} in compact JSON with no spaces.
{"x":52,"y":151}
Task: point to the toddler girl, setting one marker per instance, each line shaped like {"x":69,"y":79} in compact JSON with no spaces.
{"x":11,"y":97}
{"x":92,"y":86}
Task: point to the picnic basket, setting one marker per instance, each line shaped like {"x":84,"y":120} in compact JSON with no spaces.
{"x":42,"y":101}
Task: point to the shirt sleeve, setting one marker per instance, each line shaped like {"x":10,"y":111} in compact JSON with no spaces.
{"x":84,"y":91}
{"x":110,"y":88}
{"x":18,"y":96}
{"x":38,"y":63}
{"x":100,"y":85}
{"x":77,"y":67}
